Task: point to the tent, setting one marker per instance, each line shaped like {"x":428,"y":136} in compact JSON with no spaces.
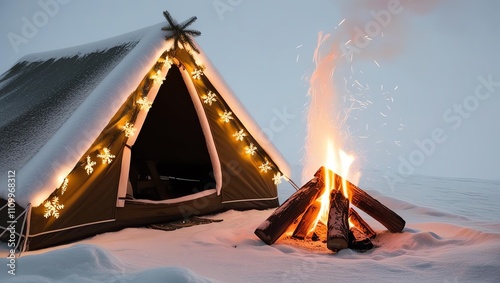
{"x":124,"y":132}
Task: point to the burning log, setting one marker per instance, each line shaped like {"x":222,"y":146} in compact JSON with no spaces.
{"x":362,"y":200}
{"x":338,"y":223}
{"x":278,"y":222}
{"x":360,"y":224}
{"x":307,"y":221}
{"x":358,"y":240}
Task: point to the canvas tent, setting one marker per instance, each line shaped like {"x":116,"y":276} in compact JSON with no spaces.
{"x":124,"y":132}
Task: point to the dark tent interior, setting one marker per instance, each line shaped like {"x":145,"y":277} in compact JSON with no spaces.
{"x":170,"y":157}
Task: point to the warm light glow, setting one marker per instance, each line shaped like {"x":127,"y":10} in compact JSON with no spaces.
{"x":209,"y":98}
{"x":64,"y":186}
{"x":338,"y":162}
{"x":250,"y":150}
{"x":144,"y":103}
{"x":226,"y":116}
{"x":128,"y":129}
{"x":89,"y":165}
{"x":326,"y":120}
{"x":197,"y":74}
{"x":106,"y":156}
{"x":277,"y":178}
{"x":239,"y":135}
{"x":157,"y":78}
{"x":52,"y":208}
{"x":265,"y":166}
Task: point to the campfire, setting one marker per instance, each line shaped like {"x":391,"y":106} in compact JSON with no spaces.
{"x":320,"y":210}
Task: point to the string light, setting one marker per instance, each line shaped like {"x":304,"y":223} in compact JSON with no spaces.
{"x":209,"y":98}
{"x":250,"y":149}
{"x":264,"y":167}
{"x":240,"y":135}
{"x":89,"y":165}
{"x":52,"y":207}
{"x":197,"y":73}
{"x":226,"y":116}
{"x":144,"y":103}
{"x":157,"y":78}
{"x":64,"y":186}
{"x":277,"y":178}
{"x":167,"y":62}
{"x":128,"y":129}
{"x":106,"y":156}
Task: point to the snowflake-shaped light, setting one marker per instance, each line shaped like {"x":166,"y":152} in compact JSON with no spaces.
{"x":167,"y":62}
{"x":52,"y":207}
{"x":144,"y":103}
{"x":106,"y":156}
{"x":250,"y":149}
{"x":89,"y":165}
{"x":157,"y":78}
{"x":129,"y":129}
{"x":226,"y":116}
{"x":209,"y":98}
{"x":277,"y":178}
{"x":264,"y":167}
{"x":197,"y":73}
{"x":239,"y":135}
{"x":64,"y":186}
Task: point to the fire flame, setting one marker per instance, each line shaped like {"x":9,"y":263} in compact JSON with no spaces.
{"x":338,"y":162}
{"x":324,"y":125}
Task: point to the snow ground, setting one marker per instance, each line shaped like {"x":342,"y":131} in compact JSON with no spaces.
{"x":452,"y":235}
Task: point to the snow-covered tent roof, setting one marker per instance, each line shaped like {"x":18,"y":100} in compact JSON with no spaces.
{"x":49,"y":119}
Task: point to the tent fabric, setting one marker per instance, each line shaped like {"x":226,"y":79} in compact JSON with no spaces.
{"x":183,"y":160}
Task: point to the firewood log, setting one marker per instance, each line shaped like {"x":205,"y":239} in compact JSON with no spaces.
{"x":278,"y":222}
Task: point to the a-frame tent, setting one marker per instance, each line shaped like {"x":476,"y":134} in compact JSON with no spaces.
{"x":125,"y":132}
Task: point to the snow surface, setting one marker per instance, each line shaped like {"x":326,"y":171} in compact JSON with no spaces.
{"x":452,"y":235}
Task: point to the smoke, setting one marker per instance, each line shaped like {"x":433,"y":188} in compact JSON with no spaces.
{"x":370,"y":29}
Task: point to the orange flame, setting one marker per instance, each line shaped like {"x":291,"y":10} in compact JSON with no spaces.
{"x":324,"y":128}
{"x":338,"y":162}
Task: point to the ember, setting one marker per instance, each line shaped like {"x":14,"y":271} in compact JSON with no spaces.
{"x":345,"y":227}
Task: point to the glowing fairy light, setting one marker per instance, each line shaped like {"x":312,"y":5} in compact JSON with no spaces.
{"x":226,"y":116}
{"x":239,"y":135}
{"x":250,"y":149}
{"x":209,"y":98}
{"x":52,"y":208}
{"x":277,"y":178}
{"x":89,"y":165}
{"x":264,"y":167}
{"x":106,"y":156}
{"x":157,"y":78}
{"x":128,"y":129}
{"x":144,"y":103}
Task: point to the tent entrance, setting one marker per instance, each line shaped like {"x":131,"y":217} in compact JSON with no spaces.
{"x":170,"y":158}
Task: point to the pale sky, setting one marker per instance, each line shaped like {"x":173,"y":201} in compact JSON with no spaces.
{"x":424,"y":71}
